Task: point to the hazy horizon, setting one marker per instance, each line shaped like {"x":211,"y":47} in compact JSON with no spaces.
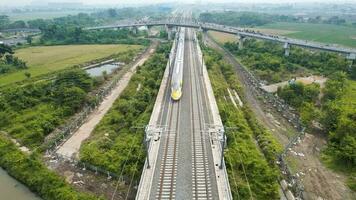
{"x":20,"y":3}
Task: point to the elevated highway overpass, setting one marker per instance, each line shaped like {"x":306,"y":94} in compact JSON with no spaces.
{"x":241,"y":33}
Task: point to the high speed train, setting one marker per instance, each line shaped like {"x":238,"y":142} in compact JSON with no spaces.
{"x":177,"y":73}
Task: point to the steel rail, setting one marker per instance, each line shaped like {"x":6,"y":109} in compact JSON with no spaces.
{"x":199,"y":154}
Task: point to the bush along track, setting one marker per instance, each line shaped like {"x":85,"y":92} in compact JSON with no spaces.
{"x":266,"y":59}
{"x":252,"y":171}
{"x":35,"y":175}
{"x":116,"y":143}
{"x":31,"y":110}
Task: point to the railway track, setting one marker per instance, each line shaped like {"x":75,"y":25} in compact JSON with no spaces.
{"x":168,"y":168}
{"x":201,"y":183}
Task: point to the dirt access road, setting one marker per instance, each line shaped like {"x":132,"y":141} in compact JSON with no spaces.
{"x":70,"y":148}
{"x":319,"y":182}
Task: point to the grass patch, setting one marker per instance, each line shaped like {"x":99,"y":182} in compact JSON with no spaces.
{"x":47,"y":59}
{"x":222,"y":38}
{"x":325,"y":33}
{"x":292,"y":163}
{"x":349,"y":171}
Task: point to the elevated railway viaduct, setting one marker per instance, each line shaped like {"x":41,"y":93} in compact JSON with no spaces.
{"x":241,"y":34}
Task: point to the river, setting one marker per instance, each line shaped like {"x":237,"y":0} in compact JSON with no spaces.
{"x":11,"y":189}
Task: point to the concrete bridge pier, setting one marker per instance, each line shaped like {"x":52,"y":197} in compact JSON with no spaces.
{"x":175,"y":29}
{"x":169,"y":35}
{"x":241,"y":41}
{"x":134,"y":30}
{"x":286,"y":49}
{"x":149,"y":33}
{"x":169,"y":32}
{"x":352,"y":57}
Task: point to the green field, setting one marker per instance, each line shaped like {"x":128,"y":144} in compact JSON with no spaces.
{"x":222,"y":37}
{"x":324,"y":33}
{"x":46,"y":59}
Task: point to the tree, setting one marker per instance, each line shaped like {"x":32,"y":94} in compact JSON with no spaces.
{"x":335,"y":86}
{"x":5,"y":49}
{"x":347,"y":151}
{"x":311,"y":92}
{"x":77,"y":34}
{"x":308,"y":114}
{"x":112,"y":13}
{"x":71,"y":97}
{"x":335,"y":20}
{"x":28,"y":75}
{"x":17,"y":24}
{"x":76,"y":77}
{"x":37,"y":23}
{"x":295,"y":94}
{"x":163,"y":34}
{"x":4,"y":21}
{"x":9,"y":59}
{"x":29,"y":39}
{"x":353,"y":71}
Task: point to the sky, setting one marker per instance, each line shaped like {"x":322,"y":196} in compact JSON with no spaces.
{"x":121,"y":2}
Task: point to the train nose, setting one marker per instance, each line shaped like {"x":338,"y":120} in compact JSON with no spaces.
{"x":176,"y":94}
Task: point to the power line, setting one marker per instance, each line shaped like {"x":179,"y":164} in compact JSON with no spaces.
{"x":133,"y":176}
{"x":233,"y":176}
{"x":239,"y":155}
{"x":122,"y":170}
{"x":243,"y":168}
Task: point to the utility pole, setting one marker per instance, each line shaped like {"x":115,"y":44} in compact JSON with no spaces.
{"x":202,"y":63}
{"x":222,"y":140}
{"x":147,"y":141}
{"x":169,"y":60}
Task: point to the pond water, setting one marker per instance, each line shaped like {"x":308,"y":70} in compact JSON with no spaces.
{"x":11,"y":189}
{"x":98,"y":71}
